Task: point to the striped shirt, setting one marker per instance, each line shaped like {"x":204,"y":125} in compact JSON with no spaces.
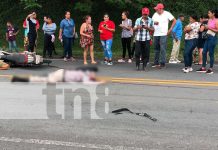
{"x":143,"y":34}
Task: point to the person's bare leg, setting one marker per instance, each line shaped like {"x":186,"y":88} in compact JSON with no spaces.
{"x":85,"y":55}
{"x":200,"y":56}
{"x":92,"y":54}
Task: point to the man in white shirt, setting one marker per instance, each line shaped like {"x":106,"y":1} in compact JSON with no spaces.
{"x":161,"y":25}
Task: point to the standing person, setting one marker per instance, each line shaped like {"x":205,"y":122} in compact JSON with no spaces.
{"x":143,"y":26}
{"x":49,"y":29}
{"x":11,"y":34}
{"x":66,"y":34}
{"x":126,"y":35}
{"x":177,"y":36}
{"x":201,"y":39}
{"x":26,"y":31}
{"x":32,"y":33}
{"x":191,"y":41}
{"x":106,"y":29}
{"x":210,"y":42}
{"x":161,"y":23}
{"x":87,"y":39}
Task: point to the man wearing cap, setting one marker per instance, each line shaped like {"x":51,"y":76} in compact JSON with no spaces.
{"x":161,"y":25}
{"x":143,"y":26}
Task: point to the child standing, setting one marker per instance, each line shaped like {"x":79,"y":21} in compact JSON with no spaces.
{"x":11,"y":34}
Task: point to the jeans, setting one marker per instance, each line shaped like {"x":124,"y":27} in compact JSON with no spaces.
{"x":209,"y":46}
{"x":143,"y":51}
{"x":107,"y":45}
{"x":32,"y":42}
{"x":126,"y":43}
{"x":67,"y":47}
{"x":190,"y":45}
{"x":160,"y":46}
{"x":12,"y":46}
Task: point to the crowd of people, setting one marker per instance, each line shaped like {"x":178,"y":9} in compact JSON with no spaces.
{"x":200,"y":37}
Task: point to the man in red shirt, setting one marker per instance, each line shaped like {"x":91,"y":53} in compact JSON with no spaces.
{"x":106,"y":29}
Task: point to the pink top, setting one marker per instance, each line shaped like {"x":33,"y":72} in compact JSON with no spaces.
{"x":212,"y":23}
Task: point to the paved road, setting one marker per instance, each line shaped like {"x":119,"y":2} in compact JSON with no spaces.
{"x":187,"y":113}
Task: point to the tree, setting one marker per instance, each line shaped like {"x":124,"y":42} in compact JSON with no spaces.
{"x":30,"y":4}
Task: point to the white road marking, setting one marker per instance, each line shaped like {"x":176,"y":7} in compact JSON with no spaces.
{"x":66,"y":144}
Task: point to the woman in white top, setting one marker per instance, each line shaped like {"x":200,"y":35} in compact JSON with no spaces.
{"x":191,"y":41}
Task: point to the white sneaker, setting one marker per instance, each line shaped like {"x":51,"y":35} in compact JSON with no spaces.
{"x":186,"y":70}
{"x":178,"y":61}
{"x":190,"y":69}
{"x":65,"y":59}
{"x":121,"y":61}
{"x":173,"y":62}
{"x":130,"y":61}
{"x":110,"y":63}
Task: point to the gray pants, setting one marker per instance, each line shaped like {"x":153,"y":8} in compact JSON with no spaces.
{"x":160,"y":46}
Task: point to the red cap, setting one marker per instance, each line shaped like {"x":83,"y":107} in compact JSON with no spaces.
{"x":159,"y":6}
{"x":145,"y":11}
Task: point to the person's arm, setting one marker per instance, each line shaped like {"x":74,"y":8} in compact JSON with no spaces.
{"x":74,"y":31}
{"x":129,"y":26}
{"x":29,"y":16}
{"x":24,"y":24}
{"x":149,"y":28}
{"x":110,"y":29}
{"x":171,"y":28}
{"x":37,"y":25}
{"x":17,"y":31}
{"x":61,"y":30}
{"x":44,"y":26}
{"x":137,"y":26}
{"x":188,"y":29}
{"x":215,"y":30}
{"x":6,"y":36}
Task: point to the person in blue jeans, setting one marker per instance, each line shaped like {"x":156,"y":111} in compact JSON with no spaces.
{"x":161,"y":21}
{"x":106,"y":29}
{"x":210,"y":42}
{"x":66,"y":34}
{"x":191,"y":42}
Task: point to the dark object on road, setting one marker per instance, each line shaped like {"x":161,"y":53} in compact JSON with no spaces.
{"x":122,"y":110}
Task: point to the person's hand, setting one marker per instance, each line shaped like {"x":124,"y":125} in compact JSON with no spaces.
{"x":145,"y":27}
{"x":169,"y":32}
{"x":176,"y":40}
{"x":139,"y":27}
{"x":30,"y":15}
{"x":45,"y":19}
{"x":60,"y":38}
{"x":100,"y":31}
{"x":88,"y":36}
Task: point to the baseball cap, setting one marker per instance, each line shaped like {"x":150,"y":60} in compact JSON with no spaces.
{"x":145,"y":11}
{"x":159,"y":6}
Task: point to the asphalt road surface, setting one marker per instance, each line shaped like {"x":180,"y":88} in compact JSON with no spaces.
{"x":185,"y":106}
